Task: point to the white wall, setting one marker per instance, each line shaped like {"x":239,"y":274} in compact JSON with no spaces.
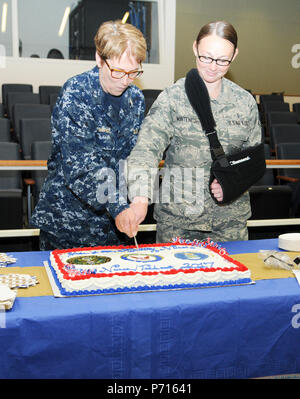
{"x":43,"y":71}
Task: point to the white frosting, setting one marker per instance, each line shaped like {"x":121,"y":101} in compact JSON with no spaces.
{"x":158,"y":259}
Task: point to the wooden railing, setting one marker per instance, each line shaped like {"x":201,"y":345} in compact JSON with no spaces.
{"x":42,"y":164}
{"x":23,"y":165}
{"x":152,"y":227}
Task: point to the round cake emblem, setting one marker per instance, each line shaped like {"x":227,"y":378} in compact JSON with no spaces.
{"x":88,"y":260}
{"x":190,"y":255}
{"x":142,"y":257}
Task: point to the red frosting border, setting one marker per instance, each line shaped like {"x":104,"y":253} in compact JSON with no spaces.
{"x":66,"y":274}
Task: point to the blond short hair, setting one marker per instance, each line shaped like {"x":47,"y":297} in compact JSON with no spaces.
{"x":114,"y":37}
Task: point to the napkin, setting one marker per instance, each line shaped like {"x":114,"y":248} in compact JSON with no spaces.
{"x":15,"y":280}
{"x":6,"y":259}
{"x":7,"y":297}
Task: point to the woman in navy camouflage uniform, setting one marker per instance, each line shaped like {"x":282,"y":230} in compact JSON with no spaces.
{"x":172,"y":126}
{"x":94,"y":126}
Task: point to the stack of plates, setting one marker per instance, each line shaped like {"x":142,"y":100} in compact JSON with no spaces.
{"x":289,"y":242}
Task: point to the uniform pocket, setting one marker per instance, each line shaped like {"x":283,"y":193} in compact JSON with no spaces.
{"x":236,"y":139}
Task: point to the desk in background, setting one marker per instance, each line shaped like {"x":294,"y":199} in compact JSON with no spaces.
{"x":227,"y":332}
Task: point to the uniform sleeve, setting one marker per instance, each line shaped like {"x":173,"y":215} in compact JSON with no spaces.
{"x":153,"y":139}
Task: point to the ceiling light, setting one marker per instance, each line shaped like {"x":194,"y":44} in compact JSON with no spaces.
{"x":64,"y":21}
{"x":126,"y":15}
{"x":4,"y":17}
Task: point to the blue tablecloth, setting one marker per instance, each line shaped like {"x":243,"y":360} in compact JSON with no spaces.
{"x":229,"y":332}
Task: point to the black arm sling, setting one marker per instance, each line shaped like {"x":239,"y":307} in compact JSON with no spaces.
{"x":235,"y":172}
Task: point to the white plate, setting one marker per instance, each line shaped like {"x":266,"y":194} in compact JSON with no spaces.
{"x":289,"y":242}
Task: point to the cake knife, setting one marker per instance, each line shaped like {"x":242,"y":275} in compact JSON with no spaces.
{"x":135,"y":241}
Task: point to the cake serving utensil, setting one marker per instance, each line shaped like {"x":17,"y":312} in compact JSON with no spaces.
{"x":135,"y":241}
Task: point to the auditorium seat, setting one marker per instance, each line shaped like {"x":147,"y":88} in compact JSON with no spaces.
{"x":284,"y":133}
{"x":53,"y":99}
{"x":288,"y":151}
{"x":23,"y":111}
{"x":11,"y":199}
{"x":268,"y":177}
{"x":20,"y":98}
{"x":5,"y":130}
{"x":16,"y":87}
{"x":33,"y":129}
{"x":264,"y":98}
{"x":281,"y":118}
{"x":270,"y":202}
{"x":296,"y":109}
{"x":271,"y":97}
{"x":46,"y":91}
{"x":276,"y":106}
{"x":150,"y":96}
{"x":296,"y":201}
{"x":271,"y":103}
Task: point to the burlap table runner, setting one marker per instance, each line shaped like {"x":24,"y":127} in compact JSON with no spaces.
{"x":252,"y":260}
{"x":259,"y":271}
{"x":43,"y":288}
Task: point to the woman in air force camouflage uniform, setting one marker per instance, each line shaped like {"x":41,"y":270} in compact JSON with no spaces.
{"x":94,"y":126}
{"x":173,"y":125}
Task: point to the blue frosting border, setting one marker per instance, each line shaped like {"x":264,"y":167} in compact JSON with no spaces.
{"x":143,"y":288}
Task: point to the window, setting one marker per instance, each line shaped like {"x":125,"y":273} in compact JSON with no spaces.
{"x":144,"y":15}
{"x":5,"y":29}
{"x":39,"y":28}
{"x":65,"y":29}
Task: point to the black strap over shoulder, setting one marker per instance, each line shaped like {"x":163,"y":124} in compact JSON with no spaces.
{"x":198,"y":96}
{"x":235,"y":172}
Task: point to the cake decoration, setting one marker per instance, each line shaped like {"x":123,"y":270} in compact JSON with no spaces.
{"x":88,"y":260}
{"x":141,"y":257}
{"x":176,"y":265}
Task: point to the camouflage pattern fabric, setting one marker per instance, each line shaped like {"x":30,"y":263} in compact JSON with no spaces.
{"x":88,"y":137}
{"x":173,"y":125}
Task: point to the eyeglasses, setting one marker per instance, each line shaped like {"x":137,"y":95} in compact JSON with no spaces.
{"x":119,"y":73}
{"x":209,"y":60}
